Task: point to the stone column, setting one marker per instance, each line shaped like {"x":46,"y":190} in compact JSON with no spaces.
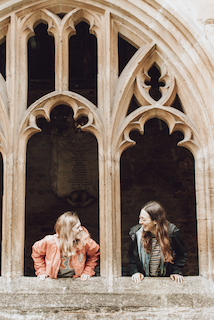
{"x":12,"y":234}
{"x":205,"y":208}
{"x":108,"y":166}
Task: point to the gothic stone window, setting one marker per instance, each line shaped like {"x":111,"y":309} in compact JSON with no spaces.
{"x":94,"y":87}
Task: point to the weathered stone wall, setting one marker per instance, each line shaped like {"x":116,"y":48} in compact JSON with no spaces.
{"x":69,"y":299}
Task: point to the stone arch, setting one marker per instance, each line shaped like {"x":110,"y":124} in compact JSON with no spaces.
{"x":30,"y":22}
{"x":151,"y":26}
{"x":41,"y":63}
{"x":44,"y":106}
{"x":132,"y":81}
{"x":28,"y":127}
{"x":78,"y":15}
{"x":184,"y":70}
{"x":156,"y":168}
{"x":26,"y":30}
{"x":83,"y":62}
{"x":69,"y":21}
{"x":173,"y":118}
{"x":136,"y":71}
{"x":136,"y":122}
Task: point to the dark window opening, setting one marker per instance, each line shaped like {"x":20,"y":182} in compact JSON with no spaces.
{"x":41,"y":64}
{"x":155,"y":84}
{"x":157,"y":169}
{"x":134,"y":105}
{"x":61,"y":15}
{"x":61,"y":175}
{"x":83,"y":63}
{"x":3,"y":58}
{"x":177,"y":104}
{"x":125,"y":53}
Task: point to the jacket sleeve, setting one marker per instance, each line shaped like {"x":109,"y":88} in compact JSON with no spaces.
{"x":92,"y":255}
{"x":38,"y":255}
{"x":134,"y":260}
{"x":179,"y":253}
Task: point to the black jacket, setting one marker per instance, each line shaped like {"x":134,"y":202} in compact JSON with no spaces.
{"x":177,"y":247}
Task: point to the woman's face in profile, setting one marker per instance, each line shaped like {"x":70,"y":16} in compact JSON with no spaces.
{"x":146,"y":221}
{"x":77,"y":229}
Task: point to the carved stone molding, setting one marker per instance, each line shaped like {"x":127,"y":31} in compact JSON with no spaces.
{"x":29,"y":23}
{"x":141,"y":90}
{"x":162,"y":38}
{"x":44,"y":106}
{"x":175,"y":120}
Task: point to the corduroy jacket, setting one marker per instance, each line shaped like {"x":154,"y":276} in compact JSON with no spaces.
{"x":46,"y":255}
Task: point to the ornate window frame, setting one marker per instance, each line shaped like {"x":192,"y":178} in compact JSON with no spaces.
{"x":144,"y":28}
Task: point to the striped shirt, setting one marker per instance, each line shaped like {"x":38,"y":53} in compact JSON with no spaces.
{"x":155,"y":258}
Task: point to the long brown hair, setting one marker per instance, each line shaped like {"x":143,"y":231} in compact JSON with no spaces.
{"x":157,"y":213}
{"x":67,"y":240}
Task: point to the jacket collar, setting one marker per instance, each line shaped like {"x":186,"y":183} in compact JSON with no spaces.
{"x":133,"y":231}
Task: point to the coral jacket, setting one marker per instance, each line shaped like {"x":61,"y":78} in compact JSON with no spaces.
{"x":47,"y":256}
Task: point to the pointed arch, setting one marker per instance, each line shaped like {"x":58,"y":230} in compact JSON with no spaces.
{"x":68,"y":29}
{"x":161,"y":34}
{"x":44,"y":106}
{"x":173,"y":118}
{"x":78,"y":15}
{"x":28,"y":127}
{"x":26,"y":30}
{"x":30,"y":22}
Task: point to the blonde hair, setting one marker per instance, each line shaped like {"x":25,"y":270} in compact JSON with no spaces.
{"x":64,"y":227}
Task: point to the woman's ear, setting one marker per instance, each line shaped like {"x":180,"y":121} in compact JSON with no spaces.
{"x":155,"y":222}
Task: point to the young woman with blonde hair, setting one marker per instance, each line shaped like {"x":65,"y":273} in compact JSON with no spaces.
{"x":156,"y":247}
{"x":69,"y":253}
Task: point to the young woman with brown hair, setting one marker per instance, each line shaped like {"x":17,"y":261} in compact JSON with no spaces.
{"x":156,"y":247}
{"x":69,"y":253}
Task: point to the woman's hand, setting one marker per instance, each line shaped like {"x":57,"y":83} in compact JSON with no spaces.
{"x":177,"y":278}
{"x":137,"y":277}
{"x":84,"y":277}
{"x":42,"y":276}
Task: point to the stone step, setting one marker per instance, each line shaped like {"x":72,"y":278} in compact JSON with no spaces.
{"x":28,"y":298}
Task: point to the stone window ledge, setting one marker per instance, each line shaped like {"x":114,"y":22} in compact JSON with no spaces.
{"x":155,"y":298}
{"x":96,"y":285}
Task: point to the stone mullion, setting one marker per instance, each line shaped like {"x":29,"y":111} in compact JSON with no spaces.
{"x":64,"y":52}
{"x":61,"y":57}
{"x":6,"y":268}
{"x":19,"y":106}
{"x":117,"y":217}
{"x":19,"y":216}
{"x":108,"y":227}
{"x":103,"y":106}
{"x":65,"y":33}
{"x":209,"y":179}
{"x":59,"y":83}
{"x":22,"y":57}
{"x":10,"y":235}
{"x":204,"y":204}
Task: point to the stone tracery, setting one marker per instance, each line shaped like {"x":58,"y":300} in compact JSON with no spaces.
{"x":111,"y":127}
